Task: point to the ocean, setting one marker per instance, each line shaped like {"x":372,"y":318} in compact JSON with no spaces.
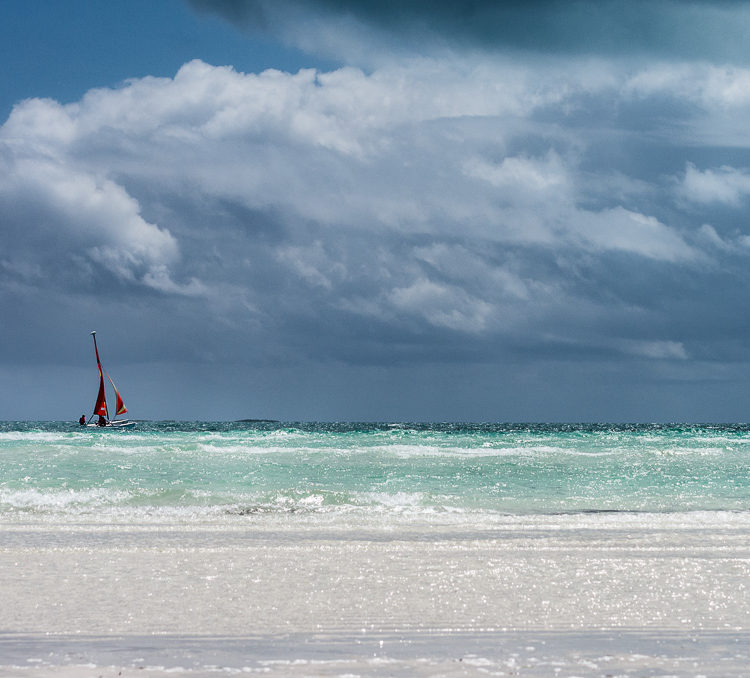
{"x":477,"y":473}
{"x":375,"y":549}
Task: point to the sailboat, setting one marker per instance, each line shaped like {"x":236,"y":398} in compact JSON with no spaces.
{"x":100,"y":409}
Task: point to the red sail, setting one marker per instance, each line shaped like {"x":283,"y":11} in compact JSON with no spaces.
{"x":120,"y":406}
{"x":101,"y":401}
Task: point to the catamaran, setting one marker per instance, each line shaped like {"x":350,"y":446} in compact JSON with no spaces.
{"x":100,"y":409}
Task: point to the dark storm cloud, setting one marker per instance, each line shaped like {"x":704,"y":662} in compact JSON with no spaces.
{"x":432,"y":215}
{"x":713,"y":30}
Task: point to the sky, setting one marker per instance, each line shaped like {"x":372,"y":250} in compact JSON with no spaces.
{"x":376,"y":210}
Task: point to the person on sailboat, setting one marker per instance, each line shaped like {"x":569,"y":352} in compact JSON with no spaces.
{"x":82,"y":420}
{"x":101,"y":421}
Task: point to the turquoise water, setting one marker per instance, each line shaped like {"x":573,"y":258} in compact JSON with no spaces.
{"x":237,"y":471}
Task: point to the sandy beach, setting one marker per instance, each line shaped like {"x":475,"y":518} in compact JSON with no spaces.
{"x":533,"y":598}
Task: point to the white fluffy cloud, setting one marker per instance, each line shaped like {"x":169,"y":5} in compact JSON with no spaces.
{"x":721,"y":185}
{"x":60,"y":209}
{"x":711,"y":86}
{"x":464,"y":197}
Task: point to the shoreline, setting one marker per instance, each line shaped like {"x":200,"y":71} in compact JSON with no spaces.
{"x":533,"y":653}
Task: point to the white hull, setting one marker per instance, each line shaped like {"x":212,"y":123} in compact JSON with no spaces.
{"x":124,"y":423}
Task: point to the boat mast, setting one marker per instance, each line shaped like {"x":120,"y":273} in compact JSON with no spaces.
{"x":101,"y":399}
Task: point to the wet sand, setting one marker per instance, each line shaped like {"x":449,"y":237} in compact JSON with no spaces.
{"x":537,"y":598}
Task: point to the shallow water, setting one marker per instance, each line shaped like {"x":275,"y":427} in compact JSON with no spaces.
{"x":194,"y":471}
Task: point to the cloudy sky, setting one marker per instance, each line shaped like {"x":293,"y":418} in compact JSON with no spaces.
{"x":377,"y":209}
